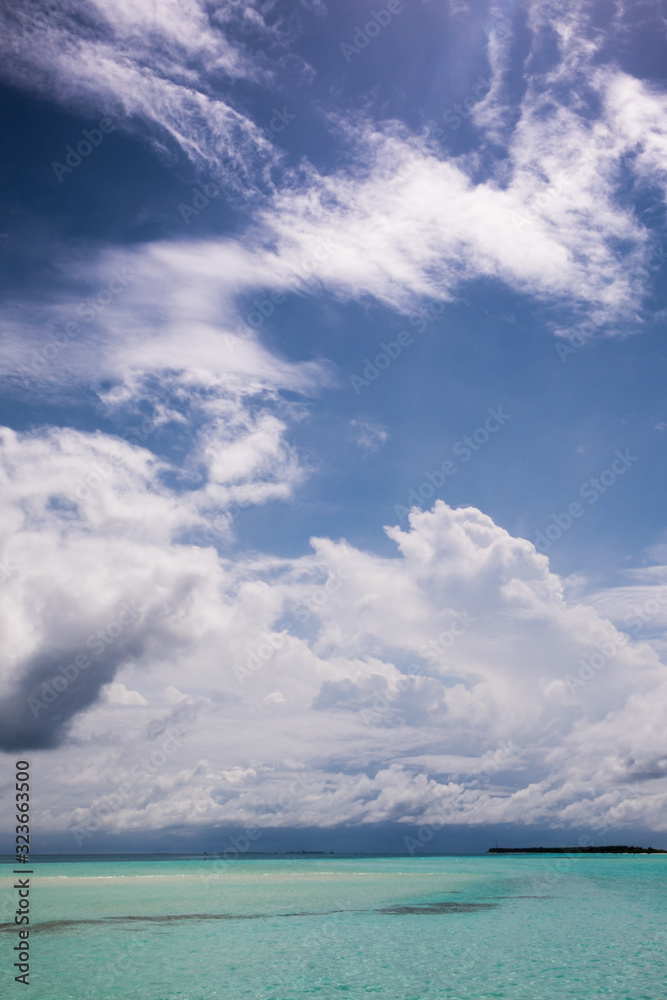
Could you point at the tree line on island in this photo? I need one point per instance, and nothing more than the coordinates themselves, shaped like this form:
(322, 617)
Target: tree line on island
(612, 849)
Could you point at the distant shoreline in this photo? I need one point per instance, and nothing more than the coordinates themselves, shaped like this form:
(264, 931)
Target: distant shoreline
(617, 849)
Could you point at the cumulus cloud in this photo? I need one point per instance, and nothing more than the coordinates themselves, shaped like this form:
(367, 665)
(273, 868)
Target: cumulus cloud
(443, 685)
(118, 694)
(87, 524)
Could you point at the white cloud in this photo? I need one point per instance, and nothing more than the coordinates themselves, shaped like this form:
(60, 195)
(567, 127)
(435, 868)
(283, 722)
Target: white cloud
(169, 308)
(163, 65)
(88, 522)
(118, 694)
(639, 605)
(548, 218)
(369, 437)
(446, 667)
(410, 224)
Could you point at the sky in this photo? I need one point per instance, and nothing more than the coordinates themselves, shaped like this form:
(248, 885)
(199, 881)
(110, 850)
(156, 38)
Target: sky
(333, 423)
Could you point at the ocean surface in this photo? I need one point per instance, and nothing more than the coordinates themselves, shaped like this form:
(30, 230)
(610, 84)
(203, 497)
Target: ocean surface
(540, 927)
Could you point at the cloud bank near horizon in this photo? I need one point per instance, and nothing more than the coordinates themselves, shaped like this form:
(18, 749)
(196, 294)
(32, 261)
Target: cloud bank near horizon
(455, 682)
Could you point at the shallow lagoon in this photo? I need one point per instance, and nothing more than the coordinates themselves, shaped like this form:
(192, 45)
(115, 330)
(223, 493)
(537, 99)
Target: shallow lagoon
(542, 927)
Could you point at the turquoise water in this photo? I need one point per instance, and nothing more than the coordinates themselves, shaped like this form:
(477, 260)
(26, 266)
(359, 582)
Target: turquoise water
(539, 927)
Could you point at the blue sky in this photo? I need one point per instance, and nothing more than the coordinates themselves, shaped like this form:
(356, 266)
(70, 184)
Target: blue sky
(327, 327)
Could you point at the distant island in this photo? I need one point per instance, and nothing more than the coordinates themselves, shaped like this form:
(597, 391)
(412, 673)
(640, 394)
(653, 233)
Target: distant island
(615, 849)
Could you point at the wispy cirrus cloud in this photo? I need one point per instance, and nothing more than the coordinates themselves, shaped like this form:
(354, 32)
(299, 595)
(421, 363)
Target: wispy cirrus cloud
(164, 68)
(550, 220)
(369, 437)
(539, 206)
(181, 310)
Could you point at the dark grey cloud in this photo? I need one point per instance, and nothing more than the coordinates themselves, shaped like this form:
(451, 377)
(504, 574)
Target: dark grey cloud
(650, 769)
(372, 838)
(54, 687)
